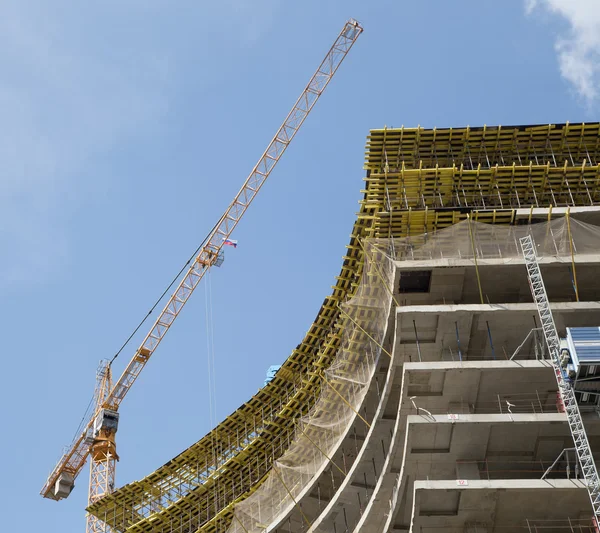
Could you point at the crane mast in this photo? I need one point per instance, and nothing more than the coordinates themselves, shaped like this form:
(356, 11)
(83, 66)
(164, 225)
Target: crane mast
(103, 454)
(98, 436)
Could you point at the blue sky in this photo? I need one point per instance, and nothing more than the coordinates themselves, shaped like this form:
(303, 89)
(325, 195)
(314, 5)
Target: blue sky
(128, 127)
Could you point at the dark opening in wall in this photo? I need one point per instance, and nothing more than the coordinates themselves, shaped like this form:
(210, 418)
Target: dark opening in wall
(415, 281)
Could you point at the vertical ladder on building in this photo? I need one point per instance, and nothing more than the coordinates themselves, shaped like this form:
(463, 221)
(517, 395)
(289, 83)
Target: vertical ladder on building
(582, 445)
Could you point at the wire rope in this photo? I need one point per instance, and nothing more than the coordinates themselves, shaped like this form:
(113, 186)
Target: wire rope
(212, 342)
(208, 351)
(84, 419)
(173, 281)
(210, 358)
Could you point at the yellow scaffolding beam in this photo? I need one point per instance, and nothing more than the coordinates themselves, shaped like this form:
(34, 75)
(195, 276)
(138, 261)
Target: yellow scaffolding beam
(418, 180)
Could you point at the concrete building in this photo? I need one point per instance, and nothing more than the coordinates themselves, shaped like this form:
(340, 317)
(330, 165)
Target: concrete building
(423, 397)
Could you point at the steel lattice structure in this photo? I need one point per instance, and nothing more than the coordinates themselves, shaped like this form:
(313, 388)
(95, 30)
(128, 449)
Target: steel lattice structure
(576, 425)
(418, 180)
(103, 451)
(103, 456)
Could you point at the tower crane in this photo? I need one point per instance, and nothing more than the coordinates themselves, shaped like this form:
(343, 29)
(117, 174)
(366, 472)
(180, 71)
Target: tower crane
(97, 440)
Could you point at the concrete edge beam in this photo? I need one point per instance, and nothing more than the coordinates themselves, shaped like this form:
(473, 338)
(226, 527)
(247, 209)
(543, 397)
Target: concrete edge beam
(495, 308)
(446, 262)
(477, 365)
(500, 484)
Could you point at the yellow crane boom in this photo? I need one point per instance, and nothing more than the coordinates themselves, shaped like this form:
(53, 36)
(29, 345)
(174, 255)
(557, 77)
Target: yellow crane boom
(98, 434)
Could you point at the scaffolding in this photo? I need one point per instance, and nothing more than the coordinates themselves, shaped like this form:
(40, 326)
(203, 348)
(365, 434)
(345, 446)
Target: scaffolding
(504, 174)
(482, 147)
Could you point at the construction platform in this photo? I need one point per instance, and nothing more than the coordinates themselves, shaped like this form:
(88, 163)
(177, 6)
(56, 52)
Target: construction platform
(367, 425)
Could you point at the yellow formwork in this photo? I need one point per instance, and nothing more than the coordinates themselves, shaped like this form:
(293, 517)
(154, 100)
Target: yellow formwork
(555, 143)
(418, 180)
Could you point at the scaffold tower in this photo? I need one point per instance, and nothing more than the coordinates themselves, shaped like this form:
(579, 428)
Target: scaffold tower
(567, 393)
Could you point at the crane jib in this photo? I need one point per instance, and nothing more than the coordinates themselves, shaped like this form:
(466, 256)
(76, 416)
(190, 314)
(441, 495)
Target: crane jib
(61, 480)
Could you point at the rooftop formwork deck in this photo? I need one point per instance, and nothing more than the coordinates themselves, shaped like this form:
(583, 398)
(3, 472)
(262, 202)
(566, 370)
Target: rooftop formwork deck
(418, 181)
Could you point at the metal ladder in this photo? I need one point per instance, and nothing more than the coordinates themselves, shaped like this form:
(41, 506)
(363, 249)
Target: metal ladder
(582, 445)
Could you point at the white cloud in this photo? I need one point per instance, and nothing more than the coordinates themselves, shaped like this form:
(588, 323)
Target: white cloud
(530, 6)
(579, 49)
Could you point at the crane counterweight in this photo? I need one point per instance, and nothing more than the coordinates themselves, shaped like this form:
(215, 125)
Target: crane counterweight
(64, 485)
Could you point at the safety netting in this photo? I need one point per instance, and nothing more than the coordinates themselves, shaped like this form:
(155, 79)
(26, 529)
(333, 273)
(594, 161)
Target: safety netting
(343, 387)
(365, 317)
(469, 239)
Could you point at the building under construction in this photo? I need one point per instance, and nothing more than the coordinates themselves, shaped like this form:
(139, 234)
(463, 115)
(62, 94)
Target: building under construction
(451, 380)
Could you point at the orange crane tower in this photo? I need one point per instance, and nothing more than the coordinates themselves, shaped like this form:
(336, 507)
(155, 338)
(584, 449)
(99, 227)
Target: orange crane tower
(97, 439)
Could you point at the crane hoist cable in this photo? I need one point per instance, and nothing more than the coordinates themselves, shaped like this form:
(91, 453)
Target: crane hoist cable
(210, 353)
(208, 359)
(212, 378)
